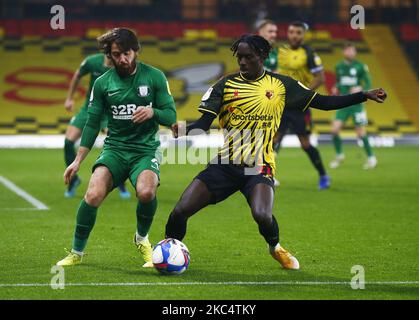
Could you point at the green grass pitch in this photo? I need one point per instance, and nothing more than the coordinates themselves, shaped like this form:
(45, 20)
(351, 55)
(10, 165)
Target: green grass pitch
(368, 218)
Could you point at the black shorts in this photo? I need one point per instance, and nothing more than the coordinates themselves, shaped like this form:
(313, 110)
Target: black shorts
(296, 121)
(222, 180)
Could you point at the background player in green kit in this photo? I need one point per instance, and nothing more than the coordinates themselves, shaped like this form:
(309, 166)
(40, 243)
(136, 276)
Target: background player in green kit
(95, 65)
(136, 99)
(351, 76)
(268, 30)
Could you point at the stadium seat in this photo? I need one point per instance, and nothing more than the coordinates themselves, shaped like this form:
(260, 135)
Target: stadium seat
(322, 35)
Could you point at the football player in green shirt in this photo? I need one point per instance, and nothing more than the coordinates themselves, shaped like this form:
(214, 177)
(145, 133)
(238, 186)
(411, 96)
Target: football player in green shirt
(351, 76)
(136, 99)
(94, 65)
(268, 30)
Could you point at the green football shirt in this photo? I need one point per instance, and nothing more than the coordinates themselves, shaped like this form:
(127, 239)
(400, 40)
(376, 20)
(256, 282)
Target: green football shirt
(118, 98)
(95, 66)
(271, 63)
(350, 75)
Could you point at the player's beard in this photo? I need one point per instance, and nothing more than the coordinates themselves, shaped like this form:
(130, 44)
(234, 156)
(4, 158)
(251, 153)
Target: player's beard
(125, 71)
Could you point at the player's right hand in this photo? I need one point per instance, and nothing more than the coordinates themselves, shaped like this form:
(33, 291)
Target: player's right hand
(69, 105)
(378, 95)
(175, 130)
(178, 129)
(71, 170)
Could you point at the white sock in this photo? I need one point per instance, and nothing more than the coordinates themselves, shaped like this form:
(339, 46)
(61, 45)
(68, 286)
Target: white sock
(271, 248)
(77, 252)
(139, 238)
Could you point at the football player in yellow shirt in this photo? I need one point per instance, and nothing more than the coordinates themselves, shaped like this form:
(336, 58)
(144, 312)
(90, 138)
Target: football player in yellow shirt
(300, 62)
(249, 105)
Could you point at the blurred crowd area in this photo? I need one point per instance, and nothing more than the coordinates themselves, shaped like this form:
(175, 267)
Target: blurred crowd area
(377, 11)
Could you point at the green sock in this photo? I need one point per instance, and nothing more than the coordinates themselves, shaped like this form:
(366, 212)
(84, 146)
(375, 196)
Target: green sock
(367, 146)
(69, 156)
(337, 142)
(69, 152)
(145, 215)
(86, 217)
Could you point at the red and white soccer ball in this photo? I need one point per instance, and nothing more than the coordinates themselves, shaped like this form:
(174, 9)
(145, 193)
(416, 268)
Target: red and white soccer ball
(171, 256)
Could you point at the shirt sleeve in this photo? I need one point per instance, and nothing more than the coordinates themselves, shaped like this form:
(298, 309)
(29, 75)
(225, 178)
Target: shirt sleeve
(164, 109)
(84, 67)
(212, 100)
(314, 62)
(97, 99)
(95, 111)
(162, 89)
(297, 96)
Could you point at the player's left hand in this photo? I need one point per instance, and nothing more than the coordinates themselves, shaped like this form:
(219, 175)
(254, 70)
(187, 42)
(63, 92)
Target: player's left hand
(378, 95)
(142, 114)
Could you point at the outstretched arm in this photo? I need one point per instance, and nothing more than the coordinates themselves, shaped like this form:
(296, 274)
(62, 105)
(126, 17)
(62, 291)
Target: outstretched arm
(338, 102)
(69, 101)
(203, 123)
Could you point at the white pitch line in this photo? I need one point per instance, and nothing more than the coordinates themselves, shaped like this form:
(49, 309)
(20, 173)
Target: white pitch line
(23, 194)
(232, 283)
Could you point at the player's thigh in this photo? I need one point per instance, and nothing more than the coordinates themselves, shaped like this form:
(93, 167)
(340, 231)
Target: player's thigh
(100, 185)
(116, 163)
(222, 180)
(195, 197)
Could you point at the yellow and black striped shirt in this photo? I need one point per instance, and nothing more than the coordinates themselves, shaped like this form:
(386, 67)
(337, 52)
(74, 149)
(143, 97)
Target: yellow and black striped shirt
(299, 64)
(250, 113)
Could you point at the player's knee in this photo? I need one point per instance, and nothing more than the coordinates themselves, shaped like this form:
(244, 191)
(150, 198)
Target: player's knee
(305, 143)
(262, 217)
(146, 195)
(94, 197)
(306, 147)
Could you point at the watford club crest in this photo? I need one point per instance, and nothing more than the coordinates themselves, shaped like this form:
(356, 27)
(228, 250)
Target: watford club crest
(269, 94)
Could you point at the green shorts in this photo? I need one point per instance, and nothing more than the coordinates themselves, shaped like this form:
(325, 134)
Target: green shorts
(356, 112)
(127, 164)
(80, 119)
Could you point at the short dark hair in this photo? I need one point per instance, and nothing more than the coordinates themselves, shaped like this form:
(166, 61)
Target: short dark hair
(261, 24)
(299, 24)
(349, 44)
(125, 39)
(259, 45)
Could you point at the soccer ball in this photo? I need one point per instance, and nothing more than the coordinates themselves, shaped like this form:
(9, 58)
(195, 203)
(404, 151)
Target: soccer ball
(170, 256)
